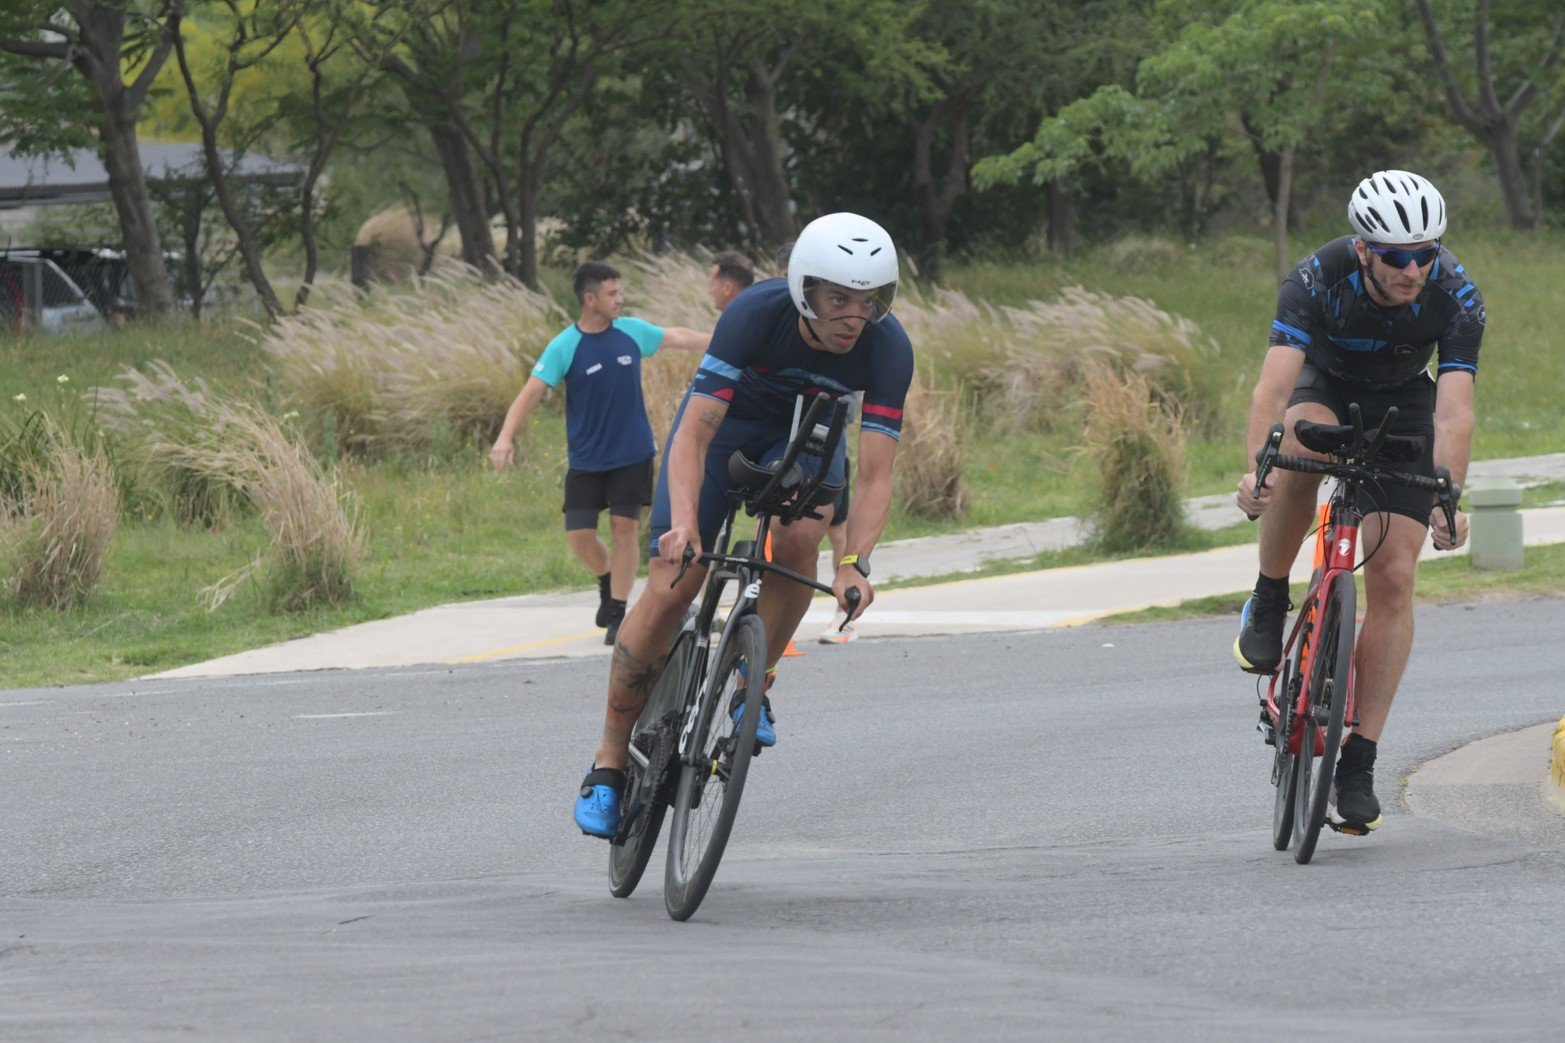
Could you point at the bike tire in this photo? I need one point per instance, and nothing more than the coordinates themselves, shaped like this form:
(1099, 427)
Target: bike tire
(628, 858)
(1282, 759)
(1330, 678)
(709, 790)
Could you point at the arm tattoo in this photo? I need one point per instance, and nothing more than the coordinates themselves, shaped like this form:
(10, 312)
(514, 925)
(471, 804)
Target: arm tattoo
(712, 418)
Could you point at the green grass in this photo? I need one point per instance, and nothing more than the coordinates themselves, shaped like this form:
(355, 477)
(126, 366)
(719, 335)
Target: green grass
(448, 530)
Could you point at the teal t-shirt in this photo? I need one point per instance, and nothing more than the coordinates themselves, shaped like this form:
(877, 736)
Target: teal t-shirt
(606, 424)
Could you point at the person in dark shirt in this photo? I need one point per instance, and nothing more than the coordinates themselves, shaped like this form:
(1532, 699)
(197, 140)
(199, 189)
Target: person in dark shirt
(1360, 320)
(730, 275)
(827, 328)
(607, 434)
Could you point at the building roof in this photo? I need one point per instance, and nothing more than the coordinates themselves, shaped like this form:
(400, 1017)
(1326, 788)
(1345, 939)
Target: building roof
(79, 176)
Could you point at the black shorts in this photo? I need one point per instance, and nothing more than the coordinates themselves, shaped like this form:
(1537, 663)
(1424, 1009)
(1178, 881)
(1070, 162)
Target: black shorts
(1415, 403)
(839, 509)
(623, 492)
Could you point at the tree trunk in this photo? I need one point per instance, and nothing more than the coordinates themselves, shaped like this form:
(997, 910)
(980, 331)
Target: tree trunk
(935, 204)
(1280, 213)
(133, 206)
(97, 57)
(467, 196)
(1061, 235)
(1504, 150)
(752, 151)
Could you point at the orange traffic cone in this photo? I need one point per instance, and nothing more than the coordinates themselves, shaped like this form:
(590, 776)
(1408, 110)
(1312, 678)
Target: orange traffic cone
(790, 650)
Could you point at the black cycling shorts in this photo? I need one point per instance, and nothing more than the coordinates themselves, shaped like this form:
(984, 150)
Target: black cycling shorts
(623, 492)
(839, 509)
(1415, 403)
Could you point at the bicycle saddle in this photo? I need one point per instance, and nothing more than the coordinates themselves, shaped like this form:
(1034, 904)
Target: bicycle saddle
(1337, 440)
(750, 476)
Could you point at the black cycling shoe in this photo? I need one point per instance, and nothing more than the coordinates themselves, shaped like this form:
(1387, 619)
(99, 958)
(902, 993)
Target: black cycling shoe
(1258, 648)
(1357, 804)
(616, 617)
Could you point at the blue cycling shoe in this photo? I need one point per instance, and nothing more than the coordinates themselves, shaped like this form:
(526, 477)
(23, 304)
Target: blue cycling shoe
(597, 803)
(766, 729)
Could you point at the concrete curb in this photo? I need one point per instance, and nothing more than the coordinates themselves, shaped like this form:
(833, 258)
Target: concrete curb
(1556, 783)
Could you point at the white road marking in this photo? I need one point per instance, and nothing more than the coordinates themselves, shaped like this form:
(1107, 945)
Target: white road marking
(333, 716)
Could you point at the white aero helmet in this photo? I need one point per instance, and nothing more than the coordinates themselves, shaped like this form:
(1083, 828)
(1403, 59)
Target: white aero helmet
(848, 250)
(1396, 207)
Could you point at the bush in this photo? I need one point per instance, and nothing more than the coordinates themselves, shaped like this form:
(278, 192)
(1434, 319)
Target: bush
(1135, 446)
(59, 510)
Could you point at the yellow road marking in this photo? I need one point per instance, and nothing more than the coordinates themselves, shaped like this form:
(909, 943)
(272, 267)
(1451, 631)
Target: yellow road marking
(500, 653)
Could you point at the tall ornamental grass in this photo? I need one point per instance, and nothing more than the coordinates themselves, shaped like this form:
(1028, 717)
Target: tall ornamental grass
(59, 510)
(1135, 449)
(1026, 364)
(315, 546)
(148, 411)
(403, 371)
(932, 454)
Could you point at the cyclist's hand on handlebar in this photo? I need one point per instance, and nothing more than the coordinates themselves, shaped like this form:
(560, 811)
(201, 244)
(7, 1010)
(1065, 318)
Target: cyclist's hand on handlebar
(672, 544)
(850, 579)
(1440, 535)
(1253, 506)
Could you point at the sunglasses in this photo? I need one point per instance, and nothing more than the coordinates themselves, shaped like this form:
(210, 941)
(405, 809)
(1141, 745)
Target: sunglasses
(1399, 258)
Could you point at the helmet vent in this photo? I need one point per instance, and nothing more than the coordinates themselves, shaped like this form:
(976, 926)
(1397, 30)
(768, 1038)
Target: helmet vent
(845, 250)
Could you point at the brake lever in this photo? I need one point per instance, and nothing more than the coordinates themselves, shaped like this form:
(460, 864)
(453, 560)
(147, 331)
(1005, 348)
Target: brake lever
(852, 597)
(1450, 495)
(1264, 458)
(684, 565)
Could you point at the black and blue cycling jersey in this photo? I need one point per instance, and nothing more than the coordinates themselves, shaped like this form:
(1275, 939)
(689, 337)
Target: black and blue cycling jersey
(1325, 310)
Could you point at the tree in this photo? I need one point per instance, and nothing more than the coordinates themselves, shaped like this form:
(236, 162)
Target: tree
(1521, 60)
(102, 42)
(1266, 67)
(323, 39)
(510, 74)
(756, 76)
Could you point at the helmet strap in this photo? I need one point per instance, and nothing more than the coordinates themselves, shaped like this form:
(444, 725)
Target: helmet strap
(811, 327)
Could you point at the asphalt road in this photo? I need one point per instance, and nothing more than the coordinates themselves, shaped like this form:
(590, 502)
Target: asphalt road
(1063, 833)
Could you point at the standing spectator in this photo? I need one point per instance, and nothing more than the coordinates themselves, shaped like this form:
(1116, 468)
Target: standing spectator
(607, 433)
(731, 273)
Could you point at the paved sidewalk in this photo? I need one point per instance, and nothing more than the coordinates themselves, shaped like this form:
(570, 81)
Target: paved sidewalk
(551, 625)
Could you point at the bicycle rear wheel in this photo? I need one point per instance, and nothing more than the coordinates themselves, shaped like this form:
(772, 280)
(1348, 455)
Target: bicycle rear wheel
(1321, 726)
(710, 788)
(647, 792)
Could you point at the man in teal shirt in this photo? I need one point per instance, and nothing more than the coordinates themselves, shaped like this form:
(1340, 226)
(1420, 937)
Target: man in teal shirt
(607, 433)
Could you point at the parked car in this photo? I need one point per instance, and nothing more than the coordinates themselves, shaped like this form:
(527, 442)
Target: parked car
(36, 294)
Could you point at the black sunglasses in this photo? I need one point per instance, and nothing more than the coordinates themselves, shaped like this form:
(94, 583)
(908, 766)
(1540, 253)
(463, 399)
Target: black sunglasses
(1399, 258)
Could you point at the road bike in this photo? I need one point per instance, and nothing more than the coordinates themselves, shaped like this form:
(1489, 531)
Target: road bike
(686, 750)
(1309, 701)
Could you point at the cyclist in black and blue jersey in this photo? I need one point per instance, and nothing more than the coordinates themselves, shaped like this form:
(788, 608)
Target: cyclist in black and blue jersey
(1360, 320)
(827, 328)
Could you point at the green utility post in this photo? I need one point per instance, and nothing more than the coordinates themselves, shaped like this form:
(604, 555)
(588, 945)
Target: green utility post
(1496, 523)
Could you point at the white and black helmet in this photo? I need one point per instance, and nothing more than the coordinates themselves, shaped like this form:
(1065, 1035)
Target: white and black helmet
(1396, 207)
(848, 250)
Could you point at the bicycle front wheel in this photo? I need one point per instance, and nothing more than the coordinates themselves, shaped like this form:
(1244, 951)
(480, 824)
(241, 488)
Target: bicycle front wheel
(710, 788)
(1283, 770)
(1321, 727)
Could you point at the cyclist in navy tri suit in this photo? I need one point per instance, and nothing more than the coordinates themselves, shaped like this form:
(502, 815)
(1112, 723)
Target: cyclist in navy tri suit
(826, 328)
(1360, 320)
(607, 434)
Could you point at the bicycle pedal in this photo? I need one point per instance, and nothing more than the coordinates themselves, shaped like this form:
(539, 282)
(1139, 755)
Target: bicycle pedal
(1352, 829)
